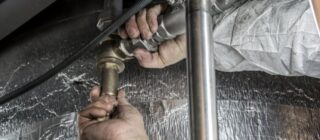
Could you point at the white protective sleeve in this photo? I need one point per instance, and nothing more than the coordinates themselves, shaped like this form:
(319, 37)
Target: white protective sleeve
(275, 36)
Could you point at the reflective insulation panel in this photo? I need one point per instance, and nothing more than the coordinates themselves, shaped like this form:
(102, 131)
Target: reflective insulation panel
(251, 105)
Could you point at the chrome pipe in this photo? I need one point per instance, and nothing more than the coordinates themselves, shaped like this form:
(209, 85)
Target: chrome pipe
(201, 72)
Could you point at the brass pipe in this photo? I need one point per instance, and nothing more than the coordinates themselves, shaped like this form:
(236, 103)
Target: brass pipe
(110, 80)
(110, 61)
(110, 70)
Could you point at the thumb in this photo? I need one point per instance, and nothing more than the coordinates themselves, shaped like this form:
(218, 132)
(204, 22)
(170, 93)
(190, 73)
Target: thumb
(126, 110)
(95, 93)
(170, 52)
(122, 100)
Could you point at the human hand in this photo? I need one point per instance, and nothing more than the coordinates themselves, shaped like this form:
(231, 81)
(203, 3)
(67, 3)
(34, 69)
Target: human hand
(126, 123)
(145, 24)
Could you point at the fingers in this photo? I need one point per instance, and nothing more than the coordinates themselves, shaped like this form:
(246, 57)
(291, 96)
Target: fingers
(93, 113)
(152, 17)
(170, 52)
(145, 23)
(100, 108)
(127, 111)
(173, 51)
(147, 59)
(106, 103)
(122, 98)
(123, 33)
(132, 28)
(95, 93)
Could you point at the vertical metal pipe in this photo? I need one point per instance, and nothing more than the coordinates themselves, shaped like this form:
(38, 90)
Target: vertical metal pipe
(201, 72)
(110, 81)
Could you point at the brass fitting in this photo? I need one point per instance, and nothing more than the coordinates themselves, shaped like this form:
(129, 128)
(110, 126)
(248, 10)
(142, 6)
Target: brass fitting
(110, 61)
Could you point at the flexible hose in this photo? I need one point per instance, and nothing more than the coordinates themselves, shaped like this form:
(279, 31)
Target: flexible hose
(109, 30)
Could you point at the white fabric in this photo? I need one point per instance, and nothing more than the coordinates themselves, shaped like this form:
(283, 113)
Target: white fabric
(276, 36)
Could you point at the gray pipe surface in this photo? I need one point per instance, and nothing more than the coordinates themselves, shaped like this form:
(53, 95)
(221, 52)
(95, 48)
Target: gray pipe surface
(201, 72)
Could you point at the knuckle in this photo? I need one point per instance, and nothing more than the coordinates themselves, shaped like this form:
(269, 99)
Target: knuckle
(98, 103)
(151, 14)
(153, 9)
(141, 13)
(141, 17)
(133, 32)
(146, 34)
(141, 21)
(100, 111)
(109, 107)
(131, 27)
(153, 24)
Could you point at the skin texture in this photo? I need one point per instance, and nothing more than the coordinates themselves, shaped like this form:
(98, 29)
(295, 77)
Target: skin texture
(144, 25)
(125, 122)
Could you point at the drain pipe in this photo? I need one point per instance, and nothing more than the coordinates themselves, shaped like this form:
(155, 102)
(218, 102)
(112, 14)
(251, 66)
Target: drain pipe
(201, 71)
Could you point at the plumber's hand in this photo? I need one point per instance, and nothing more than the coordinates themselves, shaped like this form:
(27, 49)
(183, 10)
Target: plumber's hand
(145, 24)
(125, 124)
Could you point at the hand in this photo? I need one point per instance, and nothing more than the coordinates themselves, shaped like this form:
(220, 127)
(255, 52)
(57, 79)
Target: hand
(125, 124)
(145, 24)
